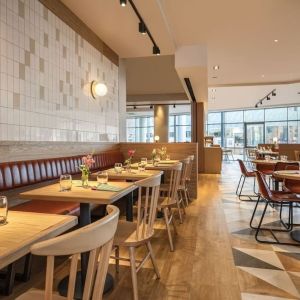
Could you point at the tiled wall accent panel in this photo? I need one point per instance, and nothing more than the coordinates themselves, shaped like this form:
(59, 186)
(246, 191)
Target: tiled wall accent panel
(45, 69)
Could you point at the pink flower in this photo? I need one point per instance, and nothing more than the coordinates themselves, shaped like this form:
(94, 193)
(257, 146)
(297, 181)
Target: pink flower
(88, 161)
(131, 153)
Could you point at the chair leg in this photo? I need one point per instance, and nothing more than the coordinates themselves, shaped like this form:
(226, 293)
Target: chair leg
(174, 225)
(149, 247)
(186, 196)
(179, 210)
(237, 189)
(9, 280)
(166, 216)
(117, 255)
(133, 272)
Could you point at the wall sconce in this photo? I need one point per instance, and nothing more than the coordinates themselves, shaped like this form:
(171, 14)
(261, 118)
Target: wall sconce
(98, 89)
(156, 139)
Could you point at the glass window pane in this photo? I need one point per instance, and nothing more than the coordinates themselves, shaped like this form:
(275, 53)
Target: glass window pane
(183, 120)
(234, 135)
(294, 113)
(276, 129)
(183, 133)
(276, 114)
(234, 116)
(214, 117)
(294, 132)
(130, 122)
(254, 115)
(215, 130)
(130, 134)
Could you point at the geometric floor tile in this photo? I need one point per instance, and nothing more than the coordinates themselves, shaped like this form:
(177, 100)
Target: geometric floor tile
(266, 256)
(243, 259)
(290, 261)
(286, 248)
(279, 279)
(248, 296)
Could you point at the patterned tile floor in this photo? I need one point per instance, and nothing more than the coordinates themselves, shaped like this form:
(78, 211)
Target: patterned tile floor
(265, 271)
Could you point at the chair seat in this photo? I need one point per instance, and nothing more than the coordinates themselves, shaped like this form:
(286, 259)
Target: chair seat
(50, 207)
(126, 235)
(165, 202)
(284, 197)
(38, 295)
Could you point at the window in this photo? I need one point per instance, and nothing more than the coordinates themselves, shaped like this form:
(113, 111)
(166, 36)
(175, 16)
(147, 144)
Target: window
(180, 123)
(140, 129)
(262, 126)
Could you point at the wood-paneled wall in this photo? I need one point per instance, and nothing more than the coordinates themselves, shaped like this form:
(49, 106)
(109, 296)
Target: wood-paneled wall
(67, 16)
(175, 150)
(15, 151)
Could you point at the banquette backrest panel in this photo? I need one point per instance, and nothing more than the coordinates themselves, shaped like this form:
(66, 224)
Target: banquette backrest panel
(22, 173)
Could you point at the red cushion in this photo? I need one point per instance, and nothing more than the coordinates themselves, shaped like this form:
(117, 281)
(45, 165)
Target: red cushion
(49, 207)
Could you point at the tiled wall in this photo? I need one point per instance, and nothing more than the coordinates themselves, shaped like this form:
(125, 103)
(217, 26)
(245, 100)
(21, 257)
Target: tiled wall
(45, 69)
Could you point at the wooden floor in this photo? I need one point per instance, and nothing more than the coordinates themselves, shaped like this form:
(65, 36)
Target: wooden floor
(208, 262)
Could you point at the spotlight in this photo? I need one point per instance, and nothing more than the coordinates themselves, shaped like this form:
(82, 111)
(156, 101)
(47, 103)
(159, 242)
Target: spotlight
(216, 67)
(123, 2)
(260, 102)
(273, 93)
(268, 98)
(256, 105)
(151, 106)
(142, 28)
(156, 50)
(134, 107)
(174, 106)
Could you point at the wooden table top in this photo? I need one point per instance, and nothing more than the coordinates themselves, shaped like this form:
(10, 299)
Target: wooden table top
(288, 174)
(80, 194)
(267, 152)
(163, 165)
(271, 161)
(23, 229)
(134, 175)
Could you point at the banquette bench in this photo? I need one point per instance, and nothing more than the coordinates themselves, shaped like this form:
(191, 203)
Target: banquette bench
(26, 174)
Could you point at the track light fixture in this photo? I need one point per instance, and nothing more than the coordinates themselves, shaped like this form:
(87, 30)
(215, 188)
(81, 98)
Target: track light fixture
(174, 106)
(134, 107)
(123, 2)
(142, 28)
(267, 97)
(156, 50)
(151, 106)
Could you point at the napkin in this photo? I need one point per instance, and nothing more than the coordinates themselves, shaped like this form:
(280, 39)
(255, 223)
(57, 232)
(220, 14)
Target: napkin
(107, 187)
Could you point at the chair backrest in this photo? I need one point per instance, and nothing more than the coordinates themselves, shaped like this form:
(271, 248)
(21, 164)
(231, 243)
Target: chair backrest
(148, 192)
(297, 155)
(243, 168)
(175, 176)
(263, 186)
(97, 239)
(190, 167)
(185, 169)
(280, 166)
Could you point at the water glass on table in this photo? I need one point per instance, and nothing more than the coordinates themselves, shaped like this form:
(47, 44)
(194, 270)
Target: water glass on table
(283, 157)
(102, 177)
(118, 168)
(65, 182)
(168, 157)
(267, 157)
(3, 210)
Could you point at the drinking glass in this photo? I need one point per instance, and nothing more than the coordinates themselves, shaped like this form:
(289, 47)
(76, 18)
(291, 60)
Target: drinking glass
(168, 157)
(141, 167)
(118, 168)
(65, 182)
(3, 210)
(283, 157)
(144, 161)
(102, 177)
(267, 157)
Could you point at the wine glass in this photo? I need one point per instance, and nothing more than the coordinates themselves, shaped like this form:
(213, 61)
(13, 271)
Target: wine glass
(118, 168)
(65, 182)
(102, 177)
(3, 210)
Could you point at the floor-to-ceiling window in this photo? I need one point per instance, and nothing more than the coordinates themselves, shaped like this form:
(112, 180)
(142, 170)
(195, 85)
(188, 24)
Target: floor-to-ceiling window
(179, 123)
(247, 128)
(140, 127)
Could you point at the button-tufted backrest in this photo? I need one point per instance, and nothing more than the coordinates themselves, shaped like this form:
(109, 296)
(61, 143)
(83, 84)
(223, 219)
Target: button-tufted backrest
(22, 173)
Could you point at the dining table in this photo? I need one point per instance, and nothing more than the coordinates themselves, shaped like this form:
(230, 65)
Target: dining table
(22, 230)
(271, 162)
(162, 165)
(292, 175)
(86, 196)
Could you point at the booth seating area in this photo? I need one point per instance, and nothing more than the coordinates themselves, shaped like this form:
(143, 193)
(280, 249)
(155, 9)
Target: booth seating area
(22, 174)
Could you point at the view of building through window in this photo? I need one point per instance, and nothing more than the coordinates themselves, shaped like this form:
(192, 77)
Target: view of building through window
(248, 128)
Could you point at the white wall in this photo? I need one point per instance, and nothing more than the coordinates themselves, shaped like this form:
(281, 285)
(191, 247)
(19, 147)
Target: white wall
(228, 98)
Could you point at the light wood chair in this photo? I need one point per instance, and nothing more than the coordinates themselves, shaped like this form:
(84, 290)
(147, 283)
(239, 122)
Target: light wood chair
(182, 188)
(135, 234)
(97, 239)
(297, 155)
(171, 199)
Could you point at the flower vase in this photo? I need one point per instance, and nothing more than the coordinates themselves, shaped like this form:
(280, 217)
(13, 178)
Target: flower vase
(85, 180)
(128, 167)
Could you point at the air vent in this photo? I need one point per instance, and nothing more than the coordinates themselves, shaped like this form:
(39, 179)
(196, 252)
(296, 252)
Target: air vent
(190, 88)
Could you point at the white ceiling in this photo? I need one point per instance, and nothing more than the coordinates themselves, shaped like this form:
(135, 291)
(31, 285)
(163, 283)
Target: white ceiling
(239, 34)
